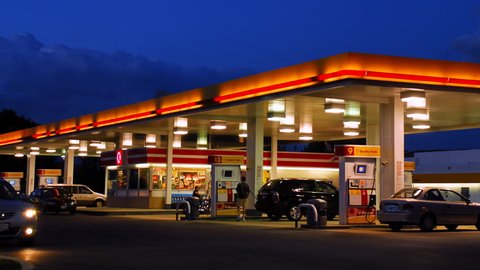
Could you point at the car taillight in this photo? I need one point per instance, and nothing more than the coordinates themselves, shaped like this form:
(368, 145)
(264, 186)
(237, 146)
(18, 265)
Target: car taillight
(407, 207)
(275, 197)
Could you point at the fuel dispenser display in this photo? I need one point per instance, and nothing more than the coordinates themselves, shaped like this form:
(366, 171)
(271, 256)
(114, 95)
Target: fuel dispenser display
(14, 178)
(357, 169)
(48, 176)
(226, 175)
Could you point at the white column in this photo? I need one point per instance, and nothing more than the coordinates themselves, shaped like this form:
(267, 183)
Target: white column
(169, 172)
(373, 138)
(274, 154)
(254, 156)
(392, 147)
(30, 177)
(68, 166)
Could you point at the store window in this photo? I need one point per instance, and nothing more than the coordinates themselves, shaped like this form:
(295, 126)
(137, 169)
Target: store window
(159, 178)
(117, 181)
(138, 179)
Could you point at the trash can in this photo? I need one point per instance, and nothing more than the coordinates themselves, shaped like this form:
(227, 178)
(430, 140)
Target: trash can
(194, 205)
(321, 207)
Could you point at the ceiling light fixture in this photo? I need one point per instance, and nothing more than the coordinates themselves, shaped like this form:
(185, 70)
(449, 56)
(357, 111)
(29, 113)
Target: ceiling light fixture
(334, 108)
(305, 137)
(351, 132)
(286, 128)
(218, 124)
(417, 114)
(412, 96)
(420, 124)
(242, 130)
(202, 146)
(275, 116)
(180, 130)
(351, 123)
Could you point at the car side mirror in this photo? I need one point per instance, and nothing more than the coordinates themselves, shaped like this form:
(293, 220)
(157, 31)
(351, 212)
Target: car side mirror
(468, 201)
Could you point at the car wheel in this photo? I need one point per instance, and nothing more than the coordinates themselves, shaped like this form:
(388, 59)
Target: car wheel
(274, 216)
(427, 224)
(294, 213)
(99, 203)
(451, 227)
(395, 227)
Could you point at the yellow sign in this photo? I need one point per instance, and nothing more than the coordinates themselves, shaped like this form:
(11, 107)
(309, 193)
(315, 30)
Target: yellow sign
(15, 175)
(357, 150)
(409, 166)
(226, 160)
(49, 172)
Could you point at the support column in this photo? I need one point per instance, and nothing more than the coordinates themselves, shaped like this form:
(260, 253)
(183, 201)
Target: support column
(30, 177)
(373, 138)
(392, 147)
(274, 154)
(68, 166)
(254, 154)
(169, 168)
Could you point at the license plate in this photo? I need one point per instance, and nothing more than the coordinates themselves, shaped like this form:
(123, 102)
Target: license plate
(63, 207)
(4, 227)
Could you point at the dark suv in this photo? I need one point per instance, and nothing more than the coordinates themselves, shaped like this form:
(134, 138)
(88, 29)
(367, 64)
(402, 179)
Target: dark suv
(53, 199)
(282, 197)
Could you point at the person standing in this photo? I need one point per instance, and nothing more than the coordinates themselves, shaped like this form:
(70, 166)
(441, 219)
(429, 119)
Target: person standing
(243, 190)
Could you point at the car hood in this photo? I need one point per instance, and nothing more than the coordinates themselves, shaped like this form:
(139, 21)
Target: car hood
(13, 205)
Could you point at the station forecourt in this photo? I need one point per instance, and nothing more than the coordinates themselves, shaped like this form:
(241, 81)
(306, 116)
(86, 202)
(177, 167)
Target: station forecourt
(155, 151)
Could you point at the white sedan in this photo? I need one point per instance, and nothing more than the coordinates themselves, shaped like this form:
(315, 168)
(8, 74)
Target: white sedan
(428, 207)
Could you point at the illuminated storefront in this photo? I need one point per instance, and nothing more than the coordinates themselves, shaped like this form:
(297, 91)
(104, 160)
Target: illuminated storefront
(138, 177)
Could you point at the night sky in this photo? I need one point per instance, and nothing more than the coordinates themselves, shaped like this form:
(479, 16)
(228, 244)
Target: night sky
(69, 58)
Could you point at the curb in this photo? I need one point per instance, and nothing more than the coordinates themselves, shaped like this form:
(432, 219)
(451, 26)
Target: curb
(25, 265)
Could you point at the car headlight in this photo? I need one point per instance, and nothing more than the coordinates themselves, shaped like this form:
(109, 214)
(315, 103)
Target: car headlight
(30, 213)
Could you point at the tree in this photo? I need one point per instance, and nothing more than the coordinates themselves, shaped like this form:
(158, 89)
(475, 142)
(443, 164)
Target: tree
(11, 121)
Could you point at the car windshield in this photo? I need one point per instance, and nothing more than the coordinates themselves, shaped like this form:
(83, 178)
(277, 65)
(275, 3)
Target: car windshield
(408, 193)
(6, 191)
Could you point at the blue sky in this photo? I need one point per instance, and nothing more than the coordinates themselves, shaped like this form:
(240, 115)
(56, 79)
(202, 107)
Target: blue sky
(69, 58)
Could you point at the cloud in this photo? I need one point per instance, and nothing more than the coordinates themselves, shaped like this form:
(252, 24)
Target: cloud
(50, 83)
(468, 46)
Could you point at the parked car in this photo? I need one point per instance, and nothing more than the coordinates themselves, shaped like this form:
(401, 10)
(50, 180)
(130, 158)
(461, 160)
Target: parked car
(18, 218)
(83, 194)
(282, 196)
(53, 199)
(428, 207)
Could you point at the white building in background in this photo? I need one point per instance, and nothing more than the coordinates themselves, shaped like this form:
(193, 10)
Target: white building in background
(459, 170)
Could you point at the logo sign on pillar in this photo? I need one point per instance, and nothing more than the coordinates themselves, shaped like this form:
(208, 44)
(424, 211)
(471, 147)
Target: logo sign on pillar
(369, 151)
(232, 160)
(119, 159)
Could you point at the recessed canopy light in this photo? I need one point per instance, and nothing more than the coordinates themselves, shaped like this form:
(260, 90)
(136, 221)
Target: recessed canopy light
(334, 108)
(286, 128)
(305, 137)
(351, 132)
(412, 96)
(420, 125)
(275, 116)
(218, 124)
(180, 130)
(417, 114)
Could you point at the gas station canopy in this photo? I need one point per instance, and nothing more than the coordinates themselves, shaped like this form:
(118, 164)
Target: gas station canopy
(354, 84)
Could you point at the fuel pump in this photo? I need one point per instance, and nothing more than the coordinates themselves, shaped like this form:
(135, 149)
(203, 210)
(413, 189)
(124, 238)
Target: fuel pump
(48, 176)
(226, 175)
(14, 178)
(357, 190)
